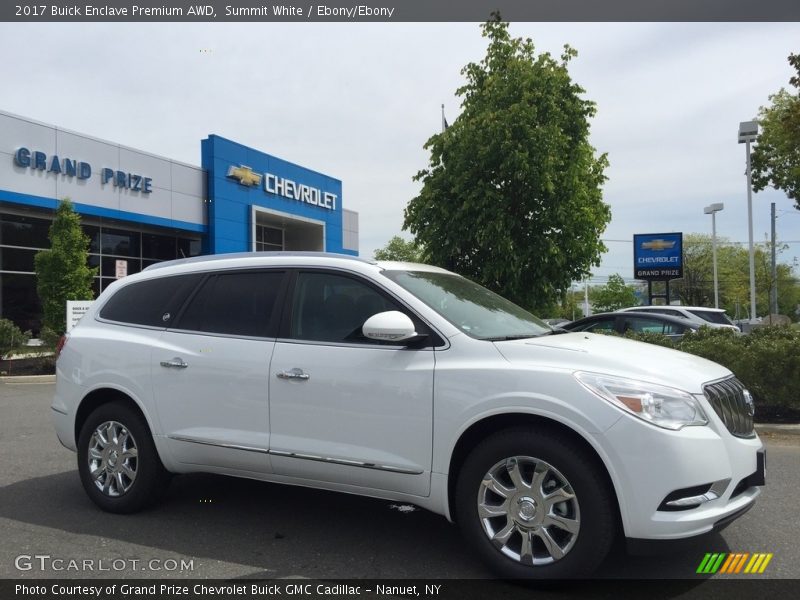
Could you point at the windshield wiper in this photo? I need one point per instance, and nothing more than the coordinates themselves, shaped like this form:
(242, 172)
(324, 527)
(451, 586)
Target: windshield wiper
(505, 338)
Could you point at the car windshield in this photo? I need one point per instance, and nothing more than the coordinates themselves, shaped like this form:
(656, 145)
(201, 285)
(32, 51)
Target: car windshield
(472, 308)
(712, 316)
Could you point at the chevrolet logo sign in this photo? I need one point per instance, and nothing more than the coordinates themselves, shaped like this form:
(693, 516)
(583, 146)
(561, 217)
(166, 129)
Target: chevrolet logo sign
(658, 245)
(244, 175)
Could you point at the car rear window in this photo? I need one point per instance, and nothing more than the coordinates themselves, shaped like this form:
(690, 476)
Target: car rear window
(153, 302)
(712, 316)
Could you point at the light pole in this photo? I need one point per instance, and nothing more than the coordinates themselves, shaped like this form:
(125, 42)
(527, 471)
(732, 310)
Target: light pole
(748, 132)
(713, 209)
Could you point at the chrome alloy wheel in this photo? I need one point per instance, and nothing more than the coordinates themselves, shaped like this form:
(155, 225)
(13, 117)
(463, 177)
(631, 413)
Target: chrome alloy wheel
(528, 510)
(113, 458)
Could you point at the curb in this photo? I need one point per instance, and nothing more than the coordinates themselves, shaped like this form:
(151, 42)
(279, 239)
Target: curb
(28, 379)
(778, 429)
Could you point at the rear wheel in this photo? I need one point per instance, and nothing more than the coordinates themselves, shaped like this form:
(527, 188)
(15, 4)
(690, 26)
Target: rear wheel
(535, 506)
(118, 464)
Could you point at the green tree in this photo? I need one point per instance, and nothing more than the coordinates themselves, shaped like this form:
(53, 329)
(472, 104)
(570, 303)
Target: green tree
(62, 271)
(399, 249)
(697, 286)
(733, 267)
(613, 295)
(776, 157)
(512, 194)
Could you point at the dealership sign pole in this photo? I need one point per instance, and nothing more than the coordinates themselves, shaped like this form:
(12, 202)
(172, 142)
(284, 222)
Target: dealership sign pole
(657, 257)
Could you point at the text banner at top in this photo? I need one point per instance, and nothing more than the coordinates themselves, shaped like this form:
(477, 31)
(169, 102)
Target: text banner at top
(404, 11)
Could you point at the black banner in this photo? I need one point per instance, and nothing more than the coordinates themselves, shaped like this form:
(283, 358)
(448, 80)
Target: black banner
(402, 11)
(754, 586)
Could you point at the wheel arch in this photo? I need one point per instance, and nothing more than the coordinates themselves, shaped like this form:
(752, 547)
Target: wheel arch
(489, 425)
(105, 395)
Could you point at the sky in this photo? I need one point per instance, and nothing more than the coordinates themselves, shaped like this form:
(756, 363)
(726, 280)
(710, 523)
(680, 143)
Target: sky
(358, 101)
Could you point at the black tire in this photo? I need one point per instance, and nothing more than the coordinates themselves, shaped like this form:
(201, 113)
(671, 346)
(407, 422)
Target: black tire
(592, 510)
(151, 478)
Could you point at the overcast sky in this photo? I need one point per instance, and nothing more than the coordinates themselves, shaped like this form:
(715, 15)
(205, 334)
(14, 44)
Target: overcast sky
(358, 101)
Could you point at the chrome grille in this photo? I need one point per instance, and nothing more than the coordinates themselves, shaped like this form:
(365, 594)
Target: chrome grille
(731, 404)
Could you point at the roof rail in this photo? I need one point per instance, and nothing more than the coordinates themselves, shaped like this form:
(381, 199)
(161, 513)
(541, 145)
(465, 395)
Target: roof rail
(234, 255)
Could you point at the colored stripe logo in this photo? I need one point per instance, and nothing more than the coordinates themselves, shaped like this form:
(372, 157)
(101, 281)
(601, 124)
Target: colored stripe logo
(735, 562)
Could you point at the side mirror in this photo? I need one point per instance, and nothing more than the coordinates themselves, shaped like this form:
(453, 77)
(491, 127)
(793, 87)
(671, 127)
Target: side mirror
(389, 326)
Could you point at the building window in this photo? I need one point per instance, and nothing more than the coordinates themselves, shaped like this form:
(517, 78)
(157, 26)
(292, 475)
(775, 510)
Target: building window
(22, 236)
(269, 238)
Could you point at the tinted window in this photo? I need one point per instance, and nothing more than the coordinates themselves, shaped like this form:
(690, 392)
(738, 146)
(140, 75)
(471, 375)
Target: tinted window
(652, 326)
(712, 316)
(606, 325)
(154, 302)
(120, 242)
(332, 308)
(24, 231)
(234, 304)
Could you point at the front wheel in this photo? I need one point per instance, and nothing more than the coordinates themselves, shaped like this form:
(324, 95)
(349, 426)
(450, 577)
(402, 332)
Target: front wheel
(535, 505)
(118, 464)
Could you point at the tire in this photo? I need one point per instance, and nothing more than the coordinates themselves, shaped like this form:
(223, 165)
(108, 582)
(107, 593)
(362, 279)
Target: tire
(542, 488)
(116, 445)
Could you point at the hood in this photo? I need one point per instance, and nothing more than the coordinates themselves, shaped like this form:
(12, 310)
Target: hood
(611, 355)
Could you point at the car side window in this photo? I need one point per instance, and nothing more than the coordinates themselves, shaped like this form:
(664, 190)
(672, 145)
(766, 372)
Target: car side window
(332, 308)
(234, 304)
(153, 302)
(673, 329)
(600, 326)
(644, 325)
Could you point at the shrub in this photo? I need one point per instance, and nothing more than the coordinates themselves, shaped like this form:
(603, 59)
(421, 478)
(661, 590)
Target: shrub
(11, 336)
(659, 339)
(767, 361)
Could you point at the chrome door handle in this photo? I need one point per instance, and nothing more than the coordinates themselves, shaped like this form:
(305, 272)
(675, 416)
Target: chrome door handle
(293, 374)
(175, 363)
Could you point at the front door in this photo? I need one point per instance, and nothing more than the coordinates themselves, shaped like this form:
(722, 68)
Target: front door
(345, 409)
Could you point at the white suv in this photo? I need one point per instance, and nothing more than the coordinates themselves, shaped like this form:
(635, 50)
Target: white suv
(405, 382)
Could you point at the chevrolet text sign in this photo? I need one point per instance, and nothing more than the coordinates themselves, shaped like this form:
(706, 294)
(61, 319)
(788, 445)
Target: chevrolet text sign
(658, 256)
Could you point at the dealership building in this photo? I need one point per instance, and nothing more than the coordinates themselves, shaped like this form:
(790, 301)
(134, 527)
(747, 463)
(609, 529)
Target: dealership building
(138, 208)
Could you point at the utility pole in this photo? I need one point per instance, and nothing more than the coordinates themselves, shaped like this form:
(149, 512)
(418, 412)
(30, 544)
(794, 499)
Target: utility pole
(748, 132)
(773, 290)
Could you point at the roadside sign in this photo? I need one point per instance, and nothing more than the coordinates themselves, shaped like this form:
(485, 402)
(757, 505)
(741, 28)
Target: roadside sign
(75, 310)
(658, 256)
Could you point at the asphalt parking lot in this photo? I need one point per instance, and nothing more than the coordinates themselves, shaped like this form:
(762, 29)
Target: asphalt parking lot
(216, 527)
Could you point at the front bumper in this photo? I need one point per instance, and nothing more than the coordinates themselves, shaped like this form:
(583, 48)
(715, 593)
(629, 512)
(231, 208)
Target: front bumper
(652, 463)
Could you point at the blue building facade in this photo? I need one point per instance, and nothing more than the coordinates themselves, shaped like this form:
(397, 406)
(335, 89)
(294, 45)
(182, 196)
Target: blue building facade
(138, 208)
(282, 203)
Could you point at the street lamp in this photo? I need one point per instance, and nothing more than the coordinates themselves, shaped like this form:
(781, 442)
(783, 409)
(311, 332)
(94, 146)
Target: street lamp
(713, 209)
(748, 132)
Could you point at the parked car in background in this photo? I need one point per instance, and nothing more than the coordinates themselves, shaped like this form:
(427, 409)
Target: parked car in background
(643, 322)
(713, 317)
(409, 383)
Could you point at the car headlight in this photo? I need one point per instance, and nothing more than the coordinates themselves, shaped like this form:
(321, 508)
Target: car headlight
(663, 406)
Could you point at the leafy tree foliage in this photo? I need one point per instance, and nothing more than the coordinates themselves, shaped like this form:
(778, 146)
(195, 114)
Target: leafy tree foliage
(613, 295)
(776, 157)
(62, 272)
(399, 249)
(733, 267)
(512, 194)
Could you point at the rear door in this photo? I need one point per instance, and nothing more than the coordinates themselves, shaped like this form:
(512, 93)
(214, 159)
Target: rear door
(211, 370)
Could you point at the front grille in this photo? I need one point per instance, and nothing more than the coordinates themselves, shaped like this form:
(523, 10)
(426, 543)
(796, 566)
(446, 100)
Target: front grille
(730, 403)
